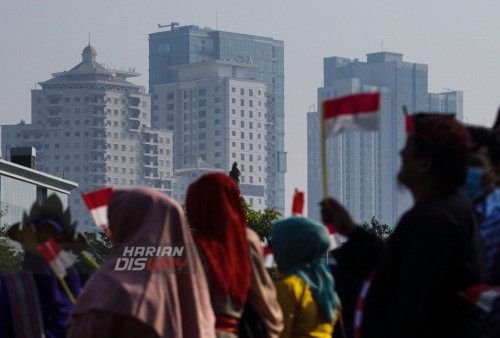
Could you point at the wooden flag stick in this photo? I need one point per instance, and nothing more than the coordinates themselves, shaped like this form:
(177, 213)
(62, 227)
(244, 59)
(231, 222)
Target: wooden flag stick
(323, 152)
(66, 289)
(91, 261)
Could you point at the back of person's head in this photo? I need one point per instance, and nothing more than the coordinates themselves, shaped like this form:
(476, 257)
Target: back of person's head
(215, 212)
(212, 198)
(297, 240)
(485, 137)
(140, 214)
(446, 142)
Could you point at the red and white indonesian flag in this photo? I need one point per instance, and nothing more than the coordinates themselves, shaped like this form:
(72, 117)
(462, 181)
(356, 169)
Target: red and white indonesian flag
(58, 259)
(334, 237)
(269, 261)
(482, 295)
(97, 203)
(298, 203)
(352, 112)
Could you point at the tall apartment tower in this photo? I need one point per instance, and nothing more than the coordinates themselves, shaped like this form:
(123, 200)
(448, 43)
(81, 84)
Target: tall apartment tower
(92, 126)
(218, 116)
(362, 166)
(194, 45)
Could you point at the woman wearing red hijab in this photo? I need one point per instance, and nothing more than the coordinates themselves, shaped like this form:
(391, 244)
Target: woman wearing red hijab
(215, 211)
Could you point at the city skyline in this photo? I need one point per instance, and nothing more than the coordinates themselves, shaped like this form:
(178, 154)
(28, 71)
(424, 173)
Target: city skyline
(362, 166)
(181, 54)
(454, 38)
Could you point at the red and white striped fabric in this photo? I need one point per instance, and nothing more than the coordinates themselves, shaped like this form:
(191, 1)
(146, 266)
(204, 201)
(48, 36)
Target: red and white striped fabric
(334, 237)
(97, 203)
(482, 295)
(298, 203)
(269, 261)
(58, 259)
(360, 306)
(352, 112)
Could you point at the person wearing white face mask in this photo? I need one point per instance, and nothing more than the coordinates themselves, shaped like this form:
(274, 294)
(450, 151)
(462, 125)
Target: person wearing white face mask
(482, 188)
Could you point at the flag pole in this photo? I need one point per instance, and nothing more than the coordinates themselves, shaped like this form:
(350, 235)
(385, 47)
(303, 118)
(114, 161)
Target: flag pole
(66, 289)
(323, 151)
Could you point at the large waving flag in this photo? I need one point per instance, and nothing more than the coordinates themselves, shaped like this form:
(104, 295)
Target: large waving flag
(97, 203)
(352, 112)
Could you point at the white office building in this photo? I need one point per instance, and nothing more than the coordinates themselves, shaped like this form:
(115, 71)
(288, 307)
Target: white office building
(362, 166)
(217, 113)
(92, 126)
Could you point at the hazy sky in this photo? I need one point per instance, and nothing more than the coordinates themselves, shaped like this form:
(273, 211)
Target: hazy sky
(458, 40)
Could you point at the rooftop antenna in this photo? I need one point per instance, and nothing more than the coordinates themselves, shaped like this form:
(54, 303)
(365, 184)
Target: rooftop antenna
(382, 45)
(89, 38)
(172, 25)
(216, 21)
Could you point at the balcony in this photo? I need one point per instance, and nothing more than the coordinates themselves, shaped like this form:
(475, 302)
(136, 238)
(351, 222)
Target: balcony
(134, 101)
(134, 113)
(150, 164)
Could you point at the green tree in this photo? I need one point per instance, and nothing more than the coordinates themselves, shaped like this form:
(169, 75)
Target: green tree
(260, 221)
(99, 246)
(11, 254)
(11, 257)
(382, 231)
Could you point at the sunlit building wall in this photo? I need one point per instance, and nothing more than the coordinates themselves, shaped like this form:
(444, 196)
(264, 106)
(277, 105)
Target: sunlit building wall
(362, 167)
(92, 126)
(192, 44)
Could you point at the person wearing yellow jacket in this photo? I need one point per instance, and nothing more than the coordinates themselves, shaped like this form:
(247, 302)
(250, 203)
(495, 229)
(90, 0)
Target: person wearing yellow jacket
(306, 293)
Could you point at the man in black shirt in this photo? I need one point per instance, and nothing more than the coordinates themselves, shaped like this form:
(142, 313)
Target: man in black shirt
(434, 252)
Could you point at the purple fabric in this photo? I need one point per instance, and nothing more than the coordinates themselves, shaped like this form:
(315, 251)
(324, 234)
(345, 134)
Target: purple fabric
(55, 305)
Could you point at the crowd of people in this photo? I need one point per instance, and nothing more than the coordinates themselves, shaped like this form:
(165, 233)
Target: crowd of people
(410, 285)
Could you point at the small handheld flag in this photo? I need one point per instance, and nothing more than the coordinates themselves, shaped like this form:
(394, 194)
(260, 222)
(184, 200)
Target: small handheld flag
(97, 203)
(298, 203)
(482, 295)
(269, 261)
(58, 260)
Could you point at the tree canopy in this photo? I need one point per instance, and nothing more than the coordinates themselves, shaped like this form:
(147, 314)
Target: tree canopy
(260, 221)
(382, 231)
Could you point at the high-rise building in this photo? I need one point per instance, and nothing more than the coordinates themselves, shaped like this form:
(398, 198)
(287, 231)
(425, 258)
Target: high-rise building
(362, 166)
(218, 116)
(92, 126)
(195, 45)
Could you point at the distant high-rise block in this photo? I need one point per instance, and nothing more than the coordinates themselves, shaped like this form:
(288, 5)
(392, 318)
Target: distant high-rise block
(218, 116)
(362, 166)
(92, 126)
(263, 62)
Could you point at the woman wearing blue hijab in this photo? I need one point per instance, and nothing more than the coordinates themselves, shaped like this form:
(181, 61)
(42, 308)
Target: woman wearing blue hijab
(306, 292)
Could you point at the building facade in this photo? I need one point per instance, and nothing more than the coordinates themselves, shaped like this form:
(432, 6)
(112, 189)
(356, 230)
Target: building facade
(195, 45)
(20, 187)
(362, 166)
(92, 126)
(217, 113)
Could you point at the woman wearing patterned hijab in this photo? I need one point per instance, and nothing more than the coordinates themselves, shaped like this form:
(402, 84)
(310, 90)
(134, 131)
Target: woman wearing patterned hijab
(145, 303)
(306, 293)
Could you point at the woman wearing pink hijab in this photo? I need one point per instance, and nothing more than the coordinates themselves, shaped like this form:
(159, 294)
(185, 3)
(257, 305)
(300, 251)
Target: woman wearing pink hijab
(145, 303)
